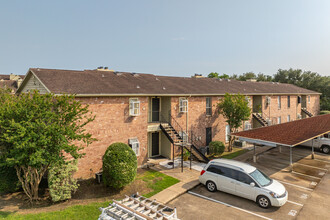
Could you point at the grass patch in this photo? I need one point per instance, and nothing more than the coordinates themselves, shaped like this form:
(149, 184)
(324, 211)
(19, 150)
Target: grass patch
(230, 155)
(156, 181)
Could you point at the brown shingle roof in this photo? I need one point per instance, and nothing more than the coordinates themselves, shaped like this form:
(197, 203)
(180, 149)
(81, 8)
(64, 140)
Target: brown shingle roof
(11, 84)
(109, 82)
(290, 133)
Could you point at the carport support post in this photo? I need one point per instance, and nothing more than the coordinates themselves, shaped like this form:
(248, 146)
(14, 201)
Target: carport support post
(312, 149)
(254, 154)
(291, 167)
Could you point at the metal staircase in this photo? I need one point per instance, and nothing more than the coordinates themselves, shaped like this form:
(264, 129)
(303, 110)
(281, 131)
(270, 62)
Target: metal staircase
(137, 207)
(304, 110)
(176, 136)
(260, 119)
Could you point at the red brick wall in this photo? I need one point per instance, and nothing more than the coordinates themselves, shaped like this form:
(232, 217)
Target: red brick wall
(112, 124)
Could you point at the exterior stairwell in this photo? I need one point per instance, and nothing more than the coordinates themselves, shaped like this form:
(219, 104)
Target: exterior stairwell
(304, 110)
(178, 140)
(260, 119)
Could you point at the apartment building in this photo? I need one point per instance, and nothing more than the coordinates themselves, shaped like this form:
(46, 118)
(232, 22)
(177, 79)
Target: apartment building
(157, 114)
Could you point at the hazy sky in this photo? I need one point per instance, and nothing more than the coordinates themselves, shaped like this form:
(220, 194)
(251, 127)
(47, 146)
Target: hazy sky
(169, 37)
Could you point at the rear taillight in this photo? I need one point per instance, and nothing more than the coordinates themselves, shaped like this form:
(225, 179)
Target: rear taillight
(202, 172)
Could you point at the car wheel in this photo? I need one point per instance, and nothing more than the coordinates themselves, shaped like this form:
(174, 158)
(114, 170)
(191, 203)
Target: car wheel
(263, 202)
(325, 149)
(211, 186)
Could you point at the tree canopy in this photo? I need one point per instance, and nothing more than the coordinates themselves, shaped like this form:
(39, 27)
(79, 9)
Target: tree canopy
(235, 109)
(305, 79)
(39, 130)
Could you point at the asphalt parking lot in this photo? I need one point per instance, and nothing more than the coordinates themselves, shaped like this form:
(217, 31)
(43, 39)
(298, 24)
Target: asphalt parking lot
(300, 184)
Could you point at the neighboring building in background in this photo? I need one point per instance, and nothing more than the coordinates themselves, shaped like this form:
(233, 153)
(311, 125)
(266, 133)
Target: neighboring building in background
(154, 113)
(11, 82)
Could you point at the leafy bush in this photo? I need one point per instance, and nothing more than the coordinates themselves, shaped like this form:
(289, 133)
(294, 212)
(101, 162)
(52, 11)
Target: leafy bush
(324, 112)
(216, 147)
(61, 182)
(8, 179)
(119, 165)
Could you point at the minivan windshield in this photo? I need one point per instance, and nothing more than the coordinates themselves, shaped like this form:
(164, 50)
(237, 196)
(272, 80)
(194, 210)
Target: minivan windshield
(261, 178)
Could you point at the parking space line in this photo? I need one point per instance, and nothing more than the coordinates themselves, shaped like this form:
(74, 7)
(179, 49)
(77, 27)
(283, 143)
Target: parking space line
(311, 166)
(226, 204)
(306, 175)
(296, 203)
(322, 160)
(291, 184)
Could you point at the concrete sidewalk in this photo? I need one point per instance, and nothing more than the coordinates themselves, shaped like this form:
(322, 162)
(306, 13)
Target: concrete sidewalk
(188, 180)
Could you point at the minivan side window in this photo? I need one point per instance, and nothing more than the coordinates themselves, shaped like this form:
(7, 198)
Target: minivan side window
(242, 177)
(230, 173)
(214, 169)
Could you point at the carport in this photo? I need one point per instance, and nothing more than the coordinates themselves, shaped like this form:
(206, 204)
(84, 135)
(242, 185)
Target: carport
(288, 134)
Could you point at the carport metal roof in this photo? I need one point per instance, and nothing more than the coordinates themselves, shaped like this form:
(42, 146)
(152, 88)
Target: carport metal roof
(287, 134)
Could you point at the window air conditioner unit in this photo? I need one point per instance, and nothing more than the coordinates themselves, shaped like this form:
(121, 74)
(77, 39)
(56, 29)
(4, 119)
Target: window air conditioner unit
(269, 122)
(299, 116)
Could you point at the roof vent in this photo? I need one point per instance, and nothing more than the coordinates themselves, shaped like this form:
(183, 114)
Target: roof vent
(277, 83)
(137, 86)
(118, 73)
(227, 80)
(134, 74)
(103, 76)
(157, 78)
(164, 88)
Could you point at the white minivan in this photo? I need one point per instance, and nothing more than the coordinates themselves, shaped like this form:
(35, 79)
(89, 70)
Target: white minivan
(243, 180)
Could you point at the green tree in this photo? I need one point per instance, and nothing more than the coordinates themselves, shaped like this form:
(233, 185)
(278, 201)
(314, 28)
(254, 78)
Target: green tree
(213, 75)
(264, 78)
(235, 109)
(247, 76)
(37, 131)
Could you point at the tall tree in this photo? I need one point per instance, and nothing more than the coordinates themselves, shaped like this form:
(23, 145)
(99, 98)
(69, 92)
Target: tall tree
(247, 76)
(235, 109)
(37, 131)
(213, 75)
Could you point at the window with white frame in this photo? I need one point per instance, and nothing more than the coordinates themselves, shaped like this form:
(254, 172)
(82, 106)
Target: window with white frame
(134, 107)
(248, 99)
(208, 106)
(279, 101)
(247, 125)
(289, 119)
(183, 105)
(135, 145)
(279, 120)
(289, 101)
(309, 99)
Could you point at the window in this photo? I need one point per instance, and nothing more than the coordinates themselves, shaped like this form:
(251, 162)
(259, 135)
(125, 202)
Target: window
(134, 107)
(248, 99)
(247, 125)
(279, 120)
(309, 99)
(261, 178)
(208, 106)
(242, 177)
(214, 169)
(183, 105)
(230, 173)
(227, 133)
(279, 102)
(289, 118)
(135, 145)
(289, 101)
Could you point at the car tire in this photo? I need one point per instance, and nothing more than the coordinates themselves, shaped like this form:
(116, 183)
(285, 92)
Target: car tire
(325, 149)
(263, 202)
(210, 186)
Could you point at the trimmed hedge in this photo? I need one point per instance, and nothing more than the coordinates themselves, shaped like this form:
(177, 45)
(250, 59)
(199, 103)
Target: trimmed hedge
(8, 179)
(216, 147)
(119, 165)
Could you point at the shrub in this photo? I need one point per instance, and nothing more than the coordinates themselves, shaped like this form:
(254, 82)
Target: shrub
(61, 182)
(216, 147)
(324, 112)
(8, 179)
(119, 165)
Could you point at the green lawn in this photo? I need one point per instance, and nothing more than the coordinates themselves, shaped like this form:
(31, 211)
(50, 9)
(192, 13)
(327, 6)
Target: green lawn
(230, 155)
(156, 181)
